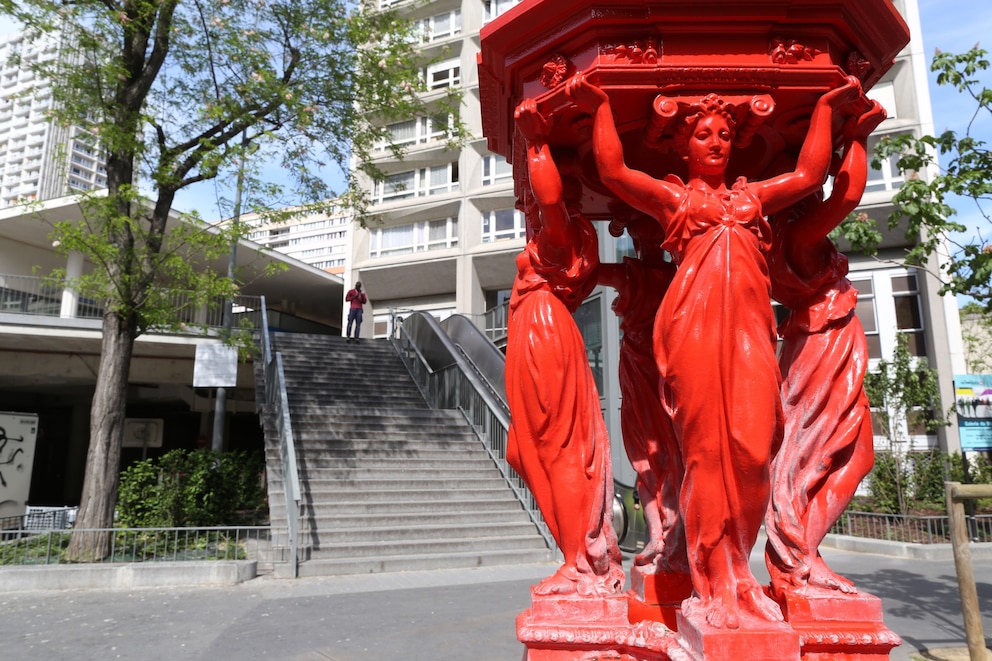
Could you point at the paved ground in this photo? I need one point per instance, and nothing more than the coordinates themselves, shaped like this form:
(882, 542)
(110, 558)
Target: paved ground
(457, 615)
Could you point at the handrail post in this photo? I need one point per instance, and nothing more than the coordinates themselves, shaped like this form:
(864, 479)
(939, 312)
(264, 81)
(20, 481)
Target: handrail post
(956, 495)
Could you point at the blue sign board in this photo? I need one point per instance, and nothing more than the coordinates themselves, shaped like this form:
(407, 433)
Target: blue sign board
(973, 399)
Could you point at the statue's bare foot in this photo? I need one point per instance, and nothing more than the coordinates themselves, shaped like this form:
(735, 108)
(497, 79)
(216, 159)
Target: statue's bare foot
(718, 613)
(823, 577)
(753, 601)
(789, 582)
(592, 585)
(649, 557)
(563, 581)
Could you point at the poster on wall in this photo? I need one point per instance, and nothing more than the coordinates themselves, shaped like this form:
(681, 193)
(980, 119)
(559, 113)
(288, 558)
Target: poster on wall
(973, 400)
(18, 432)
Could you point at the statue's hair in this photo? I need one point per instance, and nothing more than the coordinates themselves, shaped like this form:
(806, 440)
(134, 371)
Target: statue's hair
(711, 104)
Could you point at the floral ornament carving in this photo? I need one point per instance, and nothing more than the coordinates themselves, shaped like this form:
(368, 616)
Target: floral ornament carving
(556, 71)
(638, 52)
(792, 52)
(857, 65)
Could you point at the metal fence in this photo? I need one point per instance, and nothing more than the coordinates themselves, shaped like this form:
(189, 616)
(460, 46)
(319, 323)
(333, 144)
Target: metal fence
(49, 547)
(31, 295)
(909, 528)
(493, 322)
(23, 294)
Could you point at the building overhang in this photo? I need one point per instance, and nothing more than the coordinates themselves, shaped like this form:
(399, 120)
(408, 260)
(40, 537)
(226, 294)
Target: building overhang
(288, 284)
(412, 279)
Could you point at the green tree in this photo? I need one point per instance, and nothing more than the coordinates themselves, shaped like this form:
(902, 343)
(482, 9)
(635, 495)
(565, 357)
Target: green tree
(177, 92)
(940, 170)
(905, 394)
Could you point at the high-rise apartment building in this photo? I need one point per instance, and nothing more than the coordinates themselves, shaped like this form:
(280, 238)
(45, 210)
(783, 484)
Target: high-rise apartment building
(321, 240)
(39, 160)
(450, 232)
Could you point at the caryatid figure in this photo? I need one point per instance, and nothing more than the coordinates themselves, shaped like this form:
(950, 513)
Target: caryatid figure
(558, 441)
(828, 444)
(714, 337)
(648, 435)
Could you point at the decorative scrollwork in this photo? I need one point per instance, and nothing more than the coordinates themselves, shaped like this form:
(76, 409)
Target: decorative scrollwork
(792, 52)
(646, 51)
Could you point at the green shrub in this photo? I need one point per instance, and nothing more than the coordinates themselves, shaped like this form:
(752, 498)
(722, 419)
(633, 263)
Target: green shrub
(915, 481)
(886, 482)
(190, 488)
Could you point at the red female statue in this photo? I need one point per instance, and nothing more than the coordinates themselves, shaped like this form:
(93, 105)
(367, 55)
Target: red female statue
(557, 441)
(714, 336)
(828, 443)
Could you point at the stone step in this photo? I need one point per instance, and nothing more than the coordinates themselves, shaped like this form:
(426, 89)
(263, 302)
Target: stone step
(416, 500)
(389, 484)
(397, 508)
(332, 488)
(427, 533)
(375, 423)
(343, 467)
(427, 546)
(341, 456)
(400, 474)
(371, 401)
(480, 514)
(397, 563)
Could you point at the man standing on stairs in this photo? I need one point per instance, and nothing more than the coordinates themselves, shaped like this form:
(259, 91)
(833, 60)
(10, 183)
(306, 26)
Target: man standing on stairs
(357, 298)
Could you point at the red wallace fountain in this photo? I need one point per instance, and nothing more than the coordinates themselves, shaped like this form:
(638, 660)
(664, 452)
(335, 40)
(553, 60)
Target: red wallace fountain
(705, 130)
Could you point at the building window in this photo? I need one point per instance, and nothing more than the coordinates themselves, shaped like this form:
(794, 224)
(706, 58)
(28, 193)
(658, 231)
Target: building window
(503, 224)
(444, 74)
(418, 131)
(495, 169)
(435, 180)
(414, 237)
(887, 176)
(867, 315)
(441, 26)
(494, 8)
(443, 179)
(399, 186)
(909, 315)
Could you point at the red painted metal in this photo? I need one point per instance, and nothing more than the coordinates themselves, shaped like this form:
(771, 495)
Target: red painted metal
(704, 130)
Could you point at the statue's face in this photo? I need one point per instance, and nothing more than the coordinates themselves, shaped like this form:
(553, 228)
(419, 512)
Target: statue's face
(708, 147)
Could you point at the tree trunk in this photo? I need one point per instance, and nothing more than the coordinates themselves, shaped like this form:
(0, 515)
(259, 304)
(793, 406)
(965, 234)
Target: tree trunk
(107, 415)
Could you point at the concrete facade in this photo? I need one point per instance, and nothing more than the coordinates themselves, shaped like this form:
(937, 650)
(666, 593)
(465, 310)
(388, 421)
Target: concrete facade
(39, 160)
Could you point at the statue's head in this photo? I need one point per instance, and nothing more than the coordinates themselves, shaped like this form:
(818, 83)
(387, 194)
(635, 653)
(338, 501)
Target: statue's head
(709, 108)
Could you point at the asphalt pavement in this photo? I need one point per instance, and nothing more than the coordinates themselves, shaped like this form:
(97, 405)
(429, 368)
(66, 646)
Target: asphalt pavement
(463, 615)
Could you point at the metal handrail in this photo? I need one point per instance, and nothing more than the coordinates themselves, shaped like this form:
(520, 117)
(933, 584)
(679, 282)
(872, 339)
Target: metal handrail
(277, 405)
(448, 380)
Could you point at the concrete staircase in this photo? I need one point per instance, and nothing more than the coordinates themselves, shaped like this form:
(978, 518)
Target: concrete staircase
(387, 483)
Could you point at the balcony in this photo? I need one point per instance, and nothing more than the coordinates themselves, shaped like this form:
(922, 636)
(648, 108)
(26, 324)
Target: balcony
(22, 297)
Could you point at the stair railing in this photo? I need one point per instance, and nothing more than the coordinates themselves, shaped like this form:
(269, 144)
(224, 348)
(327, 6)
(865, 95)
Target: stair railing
(277, 405)
(449, 379)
